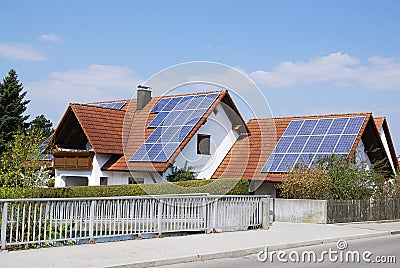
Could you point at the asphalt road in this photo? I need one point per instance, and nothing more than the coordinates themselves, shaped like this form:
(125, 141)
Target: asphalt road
(370, 252)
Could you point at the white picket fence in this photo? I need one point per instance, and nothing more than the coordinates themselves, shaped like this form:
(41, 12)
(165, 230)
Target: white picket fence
(79, 220)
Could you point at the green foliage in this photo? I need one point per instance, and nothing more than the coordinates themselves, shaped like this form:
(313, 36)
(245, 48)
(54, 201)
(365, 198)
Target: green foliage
(12, 107)
(307, 183)
(215, 187)
(181, 174)
(42, 123)
(333, 178)
(20, 164)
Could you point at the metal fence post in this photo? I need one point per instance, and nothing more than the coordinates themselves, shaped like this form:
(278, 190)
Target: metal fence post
(4, 226)
(265, 212)
(91, 220)
(214, 225)
(159, 212)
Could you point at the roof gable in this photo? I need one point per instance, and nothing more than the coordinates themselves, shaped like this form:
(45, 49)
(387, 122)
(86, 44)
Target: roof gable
(248, 156)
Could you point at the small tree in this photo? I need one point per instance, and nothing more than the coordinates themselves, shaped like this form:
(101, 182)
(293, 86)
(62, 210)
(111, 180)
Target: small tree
(20, 163)
(181, 174)
(12, 107)
(305, 182)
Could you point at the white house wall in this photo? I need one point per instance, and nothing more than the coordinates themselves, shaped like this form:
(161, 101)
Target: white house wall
(361, 156)
(222, 138)
(386, 146)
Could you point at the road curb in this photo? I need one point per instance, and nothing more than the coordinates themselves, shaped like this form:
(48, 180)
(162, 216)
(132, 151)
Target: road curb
(244, 252)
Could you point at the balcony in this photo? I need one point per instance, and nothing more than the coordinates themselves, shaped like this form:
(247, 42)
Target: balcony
(73, 160)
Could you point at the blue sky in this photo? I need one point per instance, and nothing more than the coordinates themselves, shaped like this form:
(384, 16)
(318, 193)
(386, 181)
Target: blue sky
(308, 57)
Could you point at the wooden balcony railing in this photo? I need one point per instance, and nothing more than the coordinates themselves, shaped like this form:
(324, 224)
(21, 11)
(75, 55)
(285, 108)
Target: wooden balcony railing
(65, 160)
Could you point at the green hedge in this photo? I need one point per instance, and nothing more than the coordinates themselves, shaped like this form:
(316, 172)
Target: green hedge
(214, 187)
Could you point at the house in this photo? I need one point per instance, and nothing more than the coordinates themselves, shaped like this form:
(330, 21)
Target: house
(274, 146)
(140, 140)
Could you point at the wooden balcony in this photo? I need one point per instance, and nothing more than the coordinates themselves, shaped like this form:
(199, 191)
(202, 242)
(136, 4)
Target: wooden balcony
(82, 160)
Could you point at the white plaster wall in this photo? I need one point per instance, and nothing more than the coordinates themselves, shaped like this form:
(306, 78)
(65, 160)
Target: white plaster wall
(222, 138)
(361, 156)
(60, 176)
(386, 146)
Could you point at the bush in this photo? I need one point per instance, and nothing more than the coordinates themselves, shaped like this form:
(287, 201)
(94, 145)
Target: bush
(333, 178)
(214, 187)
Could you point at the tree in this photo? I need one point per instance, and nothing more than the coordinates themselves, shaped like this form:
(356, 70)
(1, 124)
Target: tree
(181, 174)
(333, 178)
(20, 163)
(12, 107)
(42, 123)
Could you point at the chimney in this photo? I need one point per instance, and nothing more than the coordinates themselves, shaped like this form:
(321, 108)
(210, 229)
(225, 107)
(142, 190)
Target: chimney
(143, 96)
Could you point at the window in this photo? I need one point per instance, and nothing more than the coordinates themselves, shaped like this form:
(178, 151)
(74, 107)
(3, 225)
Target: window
(203, 144)
(135, 180)
(103, 180)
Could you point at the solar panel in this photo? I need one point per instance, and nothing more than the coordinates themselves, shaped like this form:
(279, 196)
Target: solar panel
(307, 127)
(298, 144)
(287, 162)
(354, 125)
(160, 105)
(322, 126)
(338, 125)
(175, 119)
(328, 144)
(283, 144)
(306, 141)
(293, 127)
(110, 105)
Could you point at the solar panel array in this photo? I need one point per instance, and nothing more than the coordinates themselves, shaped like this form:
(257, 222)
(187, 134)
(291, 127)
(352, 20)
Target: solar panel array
(111, 105)
(175, 118)
(306, 141)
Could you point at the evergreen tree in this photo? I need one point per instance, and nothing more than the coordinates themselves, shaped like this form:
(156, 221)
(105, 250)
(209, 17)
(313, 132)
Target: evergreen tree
(12, 107)
(42, 123)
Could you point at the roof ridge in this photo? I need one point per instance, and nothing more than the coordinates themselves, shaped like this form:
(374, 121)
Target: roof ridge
(309, 116)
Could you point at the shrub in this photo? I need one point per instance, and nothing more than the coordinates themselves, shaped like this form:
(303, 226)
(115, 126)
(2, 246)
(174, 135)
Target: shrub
(215, 187)
(333, 178)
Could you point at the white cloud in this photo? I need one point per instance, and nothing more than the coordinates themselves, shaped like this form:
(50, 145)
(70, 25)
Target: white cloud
(51, 37)
(95, 83)
(337, 68)
(19, 51)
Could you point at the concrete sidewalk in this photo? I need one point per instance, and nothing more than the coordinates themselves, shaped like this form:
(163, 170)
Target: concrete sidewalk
(170, 250)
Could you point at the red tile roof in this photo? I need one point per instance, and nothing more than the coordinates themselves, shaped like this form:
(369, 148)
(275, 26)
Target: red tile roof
(248, 155)
(122, 132)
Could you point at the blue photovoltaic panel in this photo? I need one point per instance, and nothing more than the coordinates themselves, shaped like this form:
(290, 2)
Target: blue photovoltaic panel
(110, 105)
(318, 157)
(160, 105)
(298, 144)
(354, 125)
(345, 143)
(171, 104)
(287, 162)
(293, 127)
(175, 119)
(328, 144)
(306, 141)
(283, 144)
(158, 119)
(195, 102)
(313, 144)
(181, 106)
(305, 160)
(272, 162)
(322, 126)
(307, 127)
(338, 125)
